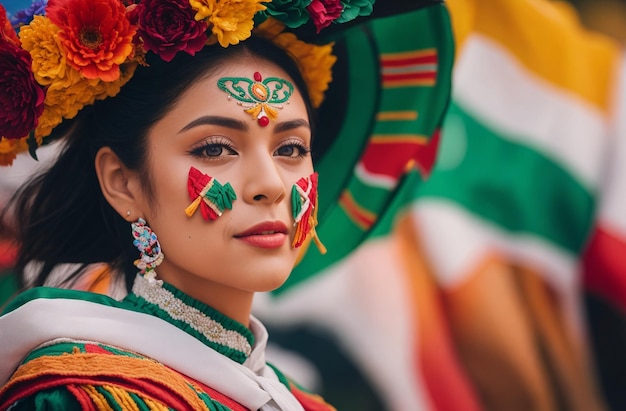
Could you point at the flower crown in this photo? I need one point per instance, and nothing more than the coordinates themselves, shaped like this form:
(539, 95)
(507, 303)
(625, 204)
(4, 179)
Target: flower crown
(70, 53)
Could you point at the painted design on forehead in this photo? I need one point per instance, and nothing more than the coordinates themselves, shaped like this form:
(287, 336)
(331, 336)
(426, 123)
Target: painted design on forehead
(260, 98)
(304, 210)
(207, 193)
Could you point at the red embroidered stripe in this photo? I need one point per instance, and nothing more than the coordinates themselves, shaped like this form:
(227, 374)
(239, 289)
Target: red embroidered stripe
(430, 58)
(218, 396)
(604, 265)
(360, 216)
(310, 402)
(422, 78)
(410, 57)
(417, 68)
(82, 397)
(390, 155)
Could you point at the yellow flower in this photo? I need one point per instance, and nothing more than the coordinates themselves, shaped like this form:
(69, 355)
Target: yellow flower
(10, 148)
(67, 96)
(50, 118)
(203, 8)
(230, 20)
(64, 98)
(40, 39)
(315, 62)
(270, 28)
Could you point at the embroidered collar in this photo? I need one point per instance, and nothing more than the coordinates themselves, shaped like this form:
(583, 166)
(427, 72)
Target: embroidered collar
(214, 329)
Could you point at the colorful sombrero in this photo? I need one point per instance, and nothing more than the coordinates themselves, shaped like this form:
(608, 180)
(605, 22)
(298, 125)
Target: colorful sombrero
(379, 124)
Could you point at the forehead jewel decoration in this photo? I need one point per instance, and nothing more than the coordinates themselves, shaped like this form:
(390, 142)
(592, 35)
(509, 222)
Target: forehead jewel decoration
(260, 98)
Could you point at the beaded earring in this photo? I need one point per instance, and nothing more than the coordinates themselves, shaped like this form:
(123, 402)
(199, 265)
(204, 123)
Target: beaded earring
(208, 194)
(304, 210)
(149, 249)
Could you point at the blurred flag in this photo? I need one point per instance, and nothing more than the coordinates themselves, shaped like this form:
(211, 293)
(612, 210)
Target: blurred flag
(509, 209)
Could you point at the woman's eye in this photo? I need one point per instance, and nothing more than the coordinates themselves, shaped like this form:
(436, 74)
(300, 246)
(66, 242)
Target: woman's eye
(292, 150)
(213, 150)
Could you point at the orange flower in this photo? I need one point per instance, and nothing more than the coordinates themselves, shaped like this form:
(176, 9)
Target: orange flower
(10, 148)
(95, 34)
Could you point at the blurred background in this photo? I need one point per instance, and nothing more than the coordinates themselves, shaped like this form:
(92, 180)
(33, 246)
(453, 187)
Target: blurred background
(477, 263)
(500, 284)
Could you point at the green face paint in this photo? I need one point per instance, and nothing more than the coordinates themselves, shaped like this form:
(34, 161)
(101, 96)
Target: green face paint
(260, 98)
(208, 194)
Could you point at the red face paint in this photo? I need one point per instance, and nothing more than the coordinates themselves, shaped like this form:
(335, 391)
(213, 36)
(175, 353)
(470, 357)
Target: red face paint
(208, 194)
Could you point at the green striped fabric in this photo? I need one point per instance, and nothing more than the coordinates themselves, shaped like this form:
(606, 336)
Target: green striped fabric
(346, 198)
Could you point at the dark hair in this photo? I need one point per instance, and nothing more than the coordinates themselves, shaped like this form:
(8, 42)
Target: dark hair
(61, 215)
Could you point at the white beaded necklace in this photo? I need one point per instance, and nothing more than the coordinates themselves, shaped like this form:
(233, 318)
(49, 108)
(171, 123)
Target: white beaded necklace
(153, 292)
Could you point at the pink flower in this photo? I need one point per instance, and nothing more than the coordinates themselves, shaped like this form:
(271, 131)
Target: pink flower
(168, 26)
(21, 98)
(324, 12)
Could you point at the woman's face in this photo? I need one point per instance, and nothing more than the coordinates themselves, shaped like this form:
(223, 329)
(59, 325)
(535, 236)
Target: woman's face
(248, 248)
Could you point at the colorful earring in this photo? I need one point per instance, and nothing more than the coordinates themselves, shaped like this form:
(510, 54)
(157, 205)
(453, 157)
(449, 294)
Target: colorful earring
(206, 192)
(259, 98)
(304, 209)
(149, 249)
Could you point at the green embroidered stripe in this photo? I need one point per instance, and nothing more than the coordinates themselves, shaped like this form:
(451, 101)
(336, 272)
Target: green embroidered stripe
(336, 167)
(111, 401)
(8, 286)
(235, 355)
(208, 325)
(141, 404)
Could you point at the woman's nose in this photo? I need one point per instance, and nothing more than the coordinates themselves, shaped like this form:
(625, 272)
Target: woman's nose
(264, 182)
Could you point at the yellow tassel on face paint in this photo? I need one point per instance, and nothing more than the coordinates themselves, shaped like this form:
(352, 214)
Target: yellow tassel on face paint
(254, 111)
(318, 242)
(193, 206)
(271, 112)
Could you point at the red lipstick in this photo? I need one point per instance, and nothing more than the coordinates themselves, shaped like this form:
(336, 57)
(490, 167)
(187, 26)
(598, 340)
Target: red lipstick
(269, 234)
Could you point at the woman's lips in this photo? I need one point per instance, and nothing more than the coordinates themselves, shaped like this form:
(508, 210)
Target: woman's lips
(269, 234)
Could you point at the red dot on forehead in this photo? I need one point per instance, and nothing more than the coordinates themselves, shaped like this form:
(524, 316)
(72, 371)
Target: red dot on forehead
(263, 121)
(257, 76)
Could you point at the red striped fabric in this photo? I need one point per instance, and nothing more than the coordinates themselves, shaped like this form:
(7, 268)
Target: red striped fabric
(418, 68)
(604, 268)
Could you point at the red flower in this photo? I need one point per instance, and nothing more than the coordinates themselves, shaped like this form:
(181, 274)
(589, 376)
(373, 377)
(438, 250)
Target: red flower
(324, 12)
(168, 26)
(6, 30)
(21, 98)
(96, 35)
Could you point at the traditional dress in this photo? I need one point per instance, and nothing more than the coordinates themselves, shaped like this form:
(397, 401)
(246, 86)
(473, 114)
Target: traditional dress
(157, 349)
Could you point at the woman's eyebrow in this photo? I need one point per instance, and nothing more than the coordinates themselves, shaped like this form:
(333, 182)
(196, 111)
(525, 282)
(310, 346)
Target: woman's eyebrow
(216, 121)
(290, 125)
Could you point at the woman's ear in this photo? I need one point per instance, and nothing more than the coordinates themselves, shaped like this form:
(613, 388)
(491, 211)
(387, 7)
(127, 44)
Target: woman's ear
(119, 185)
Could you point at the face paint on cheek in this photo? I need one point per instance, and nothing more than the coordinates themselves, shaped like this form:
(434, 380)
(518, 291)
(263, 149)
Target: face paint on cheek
(207, 193)
(260, 98)
(304, 211)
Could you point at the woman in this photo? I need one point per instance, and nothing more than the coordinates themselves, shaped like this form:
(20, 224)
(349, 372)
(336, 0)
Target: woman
(206, 147)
